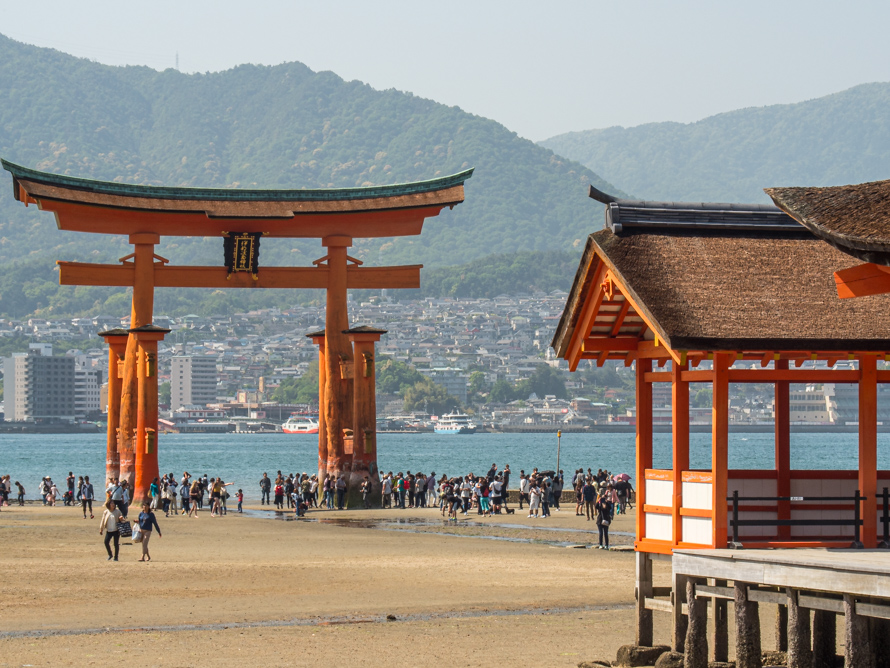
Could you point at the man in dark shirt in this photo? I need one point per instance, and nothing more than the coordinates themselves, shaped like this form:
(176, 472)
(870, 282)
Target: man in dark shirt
(265, 488)
(492, 472)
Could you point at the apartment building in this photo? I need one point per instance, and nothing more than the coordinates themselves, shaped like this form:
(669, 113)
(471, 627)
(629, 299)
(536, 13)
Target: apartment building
(193, 381)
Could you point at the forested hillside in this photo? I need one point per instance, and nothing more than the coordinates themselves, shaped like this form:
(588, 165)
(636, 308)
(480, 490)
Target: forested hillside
(258, 126)
(837, 139)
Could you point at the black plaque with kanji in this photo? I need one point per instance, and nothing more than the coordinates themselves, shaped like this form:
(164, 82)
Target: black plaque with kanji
(242, 251)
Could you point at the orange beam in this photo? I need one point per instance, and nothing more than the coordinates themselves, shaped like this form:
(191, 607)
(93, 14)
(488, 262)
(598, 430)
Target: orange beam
(588, 315)
(594, 344)
(783, 447)
(619, 320)
(107, 220)
(680, 441)
(862, 281)
(644, 440)
(720, 448)
(868, 447)
(165, 276)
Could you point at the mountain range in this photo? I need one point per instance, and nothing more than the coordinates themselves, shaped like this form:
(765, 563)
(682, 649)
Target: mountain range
(730, 157)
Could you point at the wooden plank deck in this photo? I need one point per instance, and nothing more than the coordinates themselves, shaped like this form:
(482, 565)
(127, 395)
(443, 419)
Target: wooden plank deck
(838, 571)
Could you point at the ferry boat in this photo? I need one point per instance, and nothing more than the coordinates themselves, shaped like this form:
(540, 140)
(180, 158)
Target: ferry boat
(300, 424)
(455, 423)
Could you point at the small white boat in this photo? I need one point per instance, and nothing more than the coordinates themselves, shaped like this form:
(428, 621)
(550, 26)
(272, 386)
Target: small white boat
(300, 424)
(455, 423)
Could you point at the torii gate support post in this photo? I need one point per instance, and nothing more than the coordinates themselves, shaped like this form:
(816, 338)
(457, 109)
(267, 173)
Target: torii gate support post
(336, 403)
(140, 316)
(117, 346)
(146, 449)
(318, 339)
(364, 445)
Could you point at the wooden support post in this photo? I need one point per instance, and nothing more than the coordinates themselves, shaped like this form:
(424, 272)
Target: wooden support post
(719, 626)
(140, 315)
(781, 628)
(695, 652)
(783, 447)
(318, 339)
(680, 440)
(747, 622)
(857, 644)
(117, 346)
(824, 639)
(720, 448)
(868, 447)
(337, 401)
(146, 442)
(644, 440)
(364, 453)
(679, 621)
(800, 654)
(643, 590)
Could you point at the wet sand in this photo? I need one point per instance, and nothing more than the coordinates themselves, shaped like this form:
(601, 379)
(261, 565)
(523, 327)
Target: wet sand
(246, 590)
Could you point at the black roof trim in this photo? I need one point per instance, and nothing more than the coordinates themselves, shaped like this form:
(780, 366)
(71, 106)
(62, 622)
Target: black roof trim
(632, 215)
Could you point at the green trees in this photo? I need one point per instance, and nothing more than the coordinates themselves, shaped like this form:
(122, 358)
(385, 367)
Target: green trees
(427, 396)
(395, 377)
(543, 381)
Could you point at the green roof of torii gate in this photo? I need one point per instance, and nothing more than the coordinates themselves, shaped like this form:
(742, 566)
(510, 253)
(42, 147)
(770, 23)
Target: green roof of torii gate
(236, 194)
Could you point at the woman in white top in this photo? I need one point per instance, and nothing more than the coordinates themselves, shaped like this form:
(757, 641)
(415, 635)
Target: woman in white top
(534, 500)
(110, 517)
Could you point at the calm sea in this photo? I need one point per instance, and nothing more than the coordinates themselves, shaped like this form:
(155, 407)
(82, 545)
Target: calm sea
(243, 458)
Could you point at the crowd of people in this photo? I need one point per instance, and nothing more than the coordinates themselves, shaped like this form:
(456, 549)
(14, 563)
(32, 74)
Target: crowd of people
(598, 496)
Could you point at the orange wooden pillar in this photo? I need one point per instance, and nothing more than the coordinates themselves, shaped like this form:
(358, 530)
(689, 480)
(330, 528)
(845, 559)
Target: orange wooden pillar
(336, 404)
(644, 439)
(318, 339)
(680, 440)
(146, 441)
(140, 315)
(720, 448)
(117, 346)
(364, 389)
(868, 447)
(783, 447)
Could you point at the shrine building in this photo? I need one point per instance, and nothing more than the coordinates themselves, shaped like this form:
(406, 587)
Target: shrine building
(707, 295)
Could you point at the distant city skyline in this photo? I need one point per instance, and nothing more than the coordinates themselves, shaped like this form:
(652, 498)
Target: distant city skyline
(541, 70)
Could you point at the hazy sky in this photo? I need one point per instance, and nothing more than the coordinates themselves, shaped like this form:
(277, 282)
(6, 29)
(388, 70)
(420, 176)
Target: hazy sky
(540, 68)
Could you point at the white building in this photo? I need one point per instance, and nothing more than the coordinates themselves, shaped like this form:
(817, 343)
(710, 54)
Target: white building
(38, 387)
(193, 381)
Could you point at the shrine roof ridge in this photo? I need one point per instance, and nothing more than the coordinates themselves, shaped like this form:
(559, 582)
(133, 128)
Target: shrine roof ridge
(632, 215)
(234, 194)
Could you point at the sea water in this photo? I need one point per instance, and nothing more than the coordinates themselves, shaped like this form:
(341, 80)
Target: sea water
(242, 458)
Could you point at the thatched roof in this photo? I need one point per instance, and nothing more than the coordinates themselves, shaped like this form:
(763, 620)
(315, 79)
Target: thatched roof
(855, 219)
(733, 288)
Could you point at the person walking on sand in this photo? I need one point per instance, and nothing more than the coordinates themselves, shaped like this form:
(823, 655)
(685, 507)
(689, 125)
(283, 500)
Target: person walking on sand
(194, 495)
(21, 489)
(147, 520)
(108, 525)
(524, 486)
(86, 497)
(604, 508)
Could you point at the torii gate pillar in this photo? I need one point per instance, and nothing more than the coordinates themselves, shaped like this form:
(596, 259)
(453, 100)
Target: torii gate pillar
(146, 436)
(364, 430)
(117, 346)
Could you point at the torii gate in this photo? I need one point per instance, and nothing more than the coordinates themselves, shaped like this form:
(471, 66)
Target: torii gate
(240, 218)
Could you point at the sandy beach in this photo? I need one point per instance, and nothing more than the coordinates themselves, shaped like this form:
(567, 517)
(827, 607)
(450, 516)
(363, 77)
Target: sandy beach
(247, 590)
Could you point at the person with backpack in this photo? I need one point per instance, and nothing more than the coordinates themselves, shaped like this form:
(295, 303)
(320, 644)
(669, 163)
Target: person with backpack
(86, 497)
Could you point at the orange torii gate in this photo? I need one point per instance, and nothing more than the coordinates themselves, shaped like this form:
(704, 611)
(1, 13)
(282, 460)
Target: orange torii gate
(241, 218)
